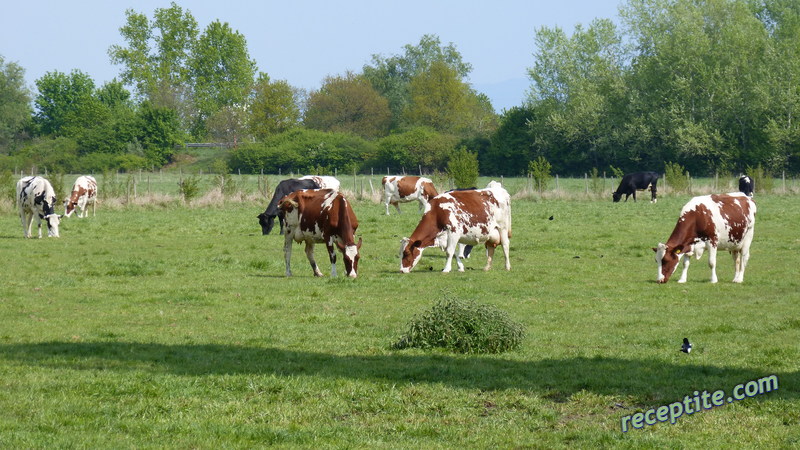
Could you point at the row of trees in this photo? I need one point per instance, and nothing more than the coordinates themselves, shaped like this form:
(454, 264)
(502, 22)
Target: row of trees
(711, 84)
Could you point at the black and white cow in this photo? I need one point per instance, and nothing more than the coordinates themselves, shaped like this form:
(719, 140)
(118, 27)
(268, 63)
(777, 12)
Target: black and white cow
(36, 197)
(637, 181)
(746, 185)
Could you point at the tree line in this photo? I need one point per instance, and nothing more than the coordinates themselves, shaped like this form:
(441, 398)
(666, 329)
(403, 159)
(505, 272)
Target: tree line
(709, 84)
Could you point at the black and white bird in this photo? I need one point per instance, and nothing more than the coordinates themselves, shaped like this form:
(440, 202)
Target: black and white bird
(687, 346)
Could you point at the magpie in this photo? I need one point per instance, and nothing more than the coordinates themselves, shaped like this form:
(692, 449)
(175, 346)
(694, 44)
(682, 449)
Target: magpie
(687, 346)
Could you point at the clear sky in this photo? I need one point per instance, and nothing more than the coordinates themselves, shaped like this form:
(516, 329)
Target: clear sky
(302, 41)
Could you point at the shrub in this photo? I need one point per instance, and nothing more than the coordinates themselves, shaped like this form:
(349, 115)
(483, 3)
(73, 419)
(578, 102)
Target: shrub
(463, 168)
(762, 179)
(540, 169)
(463, 326)
(189, 188)
(676, 177)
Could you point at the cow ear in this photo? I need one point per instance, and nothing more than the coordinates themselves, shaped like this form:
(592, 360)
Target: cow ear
(654, 249)
(358, 246)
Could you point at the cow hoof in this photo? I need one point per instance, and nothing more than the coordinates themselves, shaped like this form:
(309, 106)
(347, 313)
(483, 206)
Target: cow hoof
(681, 281)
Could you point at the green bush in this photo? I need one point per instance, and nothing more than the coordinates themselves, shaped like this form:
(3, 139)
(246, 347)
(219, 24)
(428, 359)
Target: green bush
(189, 187)
(464, 327)
(463, 169)
(676, 177)
(540, 169)
(762, 179)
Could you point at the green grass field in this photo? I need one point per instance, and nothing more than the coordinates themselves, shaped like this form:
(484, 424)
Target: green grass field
(168, 326)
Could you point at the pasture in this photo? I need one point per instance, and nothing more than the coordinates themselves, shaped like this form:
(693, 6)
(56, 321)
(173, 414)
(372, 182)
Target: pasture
(158, 325)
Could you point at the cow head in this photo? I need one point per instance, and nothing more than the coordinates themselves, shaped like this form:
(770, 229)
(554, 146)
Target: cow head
(350, 254)
(52, 221)
(616, 196)
(69, 206)
(667, 259)
(266, 221)
(410, 253)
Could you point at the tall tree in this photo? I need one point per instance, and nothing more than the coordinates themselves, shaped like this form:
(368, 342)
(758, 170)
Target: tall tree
(60, 95)
(15, 99)
(274, 107)
(155, 60)
(221, 70)
(579, 88)
(348, 103)
(391, 76)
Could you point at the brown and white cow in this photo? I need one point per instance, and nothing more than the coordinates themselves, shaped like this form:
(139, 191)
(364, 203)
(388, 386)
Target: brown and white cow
(712, 222)
(84, 192)
(480, 216)
(321, 215)
(402, 189)
(36, 197)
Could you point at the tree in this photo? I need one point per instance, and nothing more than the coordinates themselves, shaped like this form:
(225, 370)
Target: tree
(419, 146)
(273, 107)
(15, 100)
(158, 132)
(579, 88)
(438, 99)
(392, 76)
(221, 70)
(350, 104)
(60, 97)
(155, 60)
(511, 145)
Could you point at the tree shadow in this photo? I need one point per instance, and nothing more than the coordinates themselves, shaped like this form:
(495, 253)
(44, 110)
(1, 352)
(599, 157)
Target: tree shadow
(651, 381)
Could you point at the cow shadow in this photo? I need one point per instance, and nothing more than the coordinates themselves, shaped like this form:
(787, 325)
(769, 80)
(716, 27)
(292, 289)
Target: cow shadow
(649, 381)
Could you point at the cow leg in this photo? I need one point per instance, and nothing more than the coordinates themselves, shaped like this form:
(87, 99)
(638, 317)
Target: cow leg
(94, 205)
(653, 198)
(397, 207)
(332, 256)
(489, 255)
(287, 254)
(712, 262)
(506, 243)
(387, 205)
(22, 220)
(745, 256)
(39, 225)
(736, 255)
(310, 256)
(634, 196)
(686, 261)
(452, 244)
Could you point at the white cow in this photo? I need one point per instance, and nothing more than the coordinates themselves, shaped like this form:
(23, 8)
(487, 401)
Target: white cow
(399, 189)
(84, 192)
(36, 197)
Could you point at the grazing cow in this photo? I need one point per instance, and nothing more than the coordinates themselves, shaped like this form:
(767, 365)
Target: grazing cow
(321, 215)
(323, 182)
(481, 216)
(710, 222)
(402, 189)
(84, 191)
(637, 181)
(35, 197)
(284, 188)
(746, 185)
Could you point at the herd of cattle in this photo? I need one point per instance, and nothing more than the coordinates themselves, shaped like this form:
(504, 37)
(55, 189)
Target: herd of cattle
(311, 210)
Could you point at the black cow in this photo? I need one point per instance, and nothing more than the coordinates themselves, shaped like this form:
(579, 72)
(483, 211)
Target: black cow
(637, 181)
(284, 188)
(746, 185)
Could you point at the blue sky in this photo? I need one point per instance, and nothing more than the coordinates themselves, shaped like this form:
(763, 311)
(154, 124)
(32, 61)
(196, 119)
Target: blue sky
(303, 41)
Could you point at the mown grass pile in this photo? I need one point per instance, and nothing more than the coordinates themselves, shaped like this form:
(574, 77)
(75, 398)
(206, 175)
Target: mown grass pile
(464, 327)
